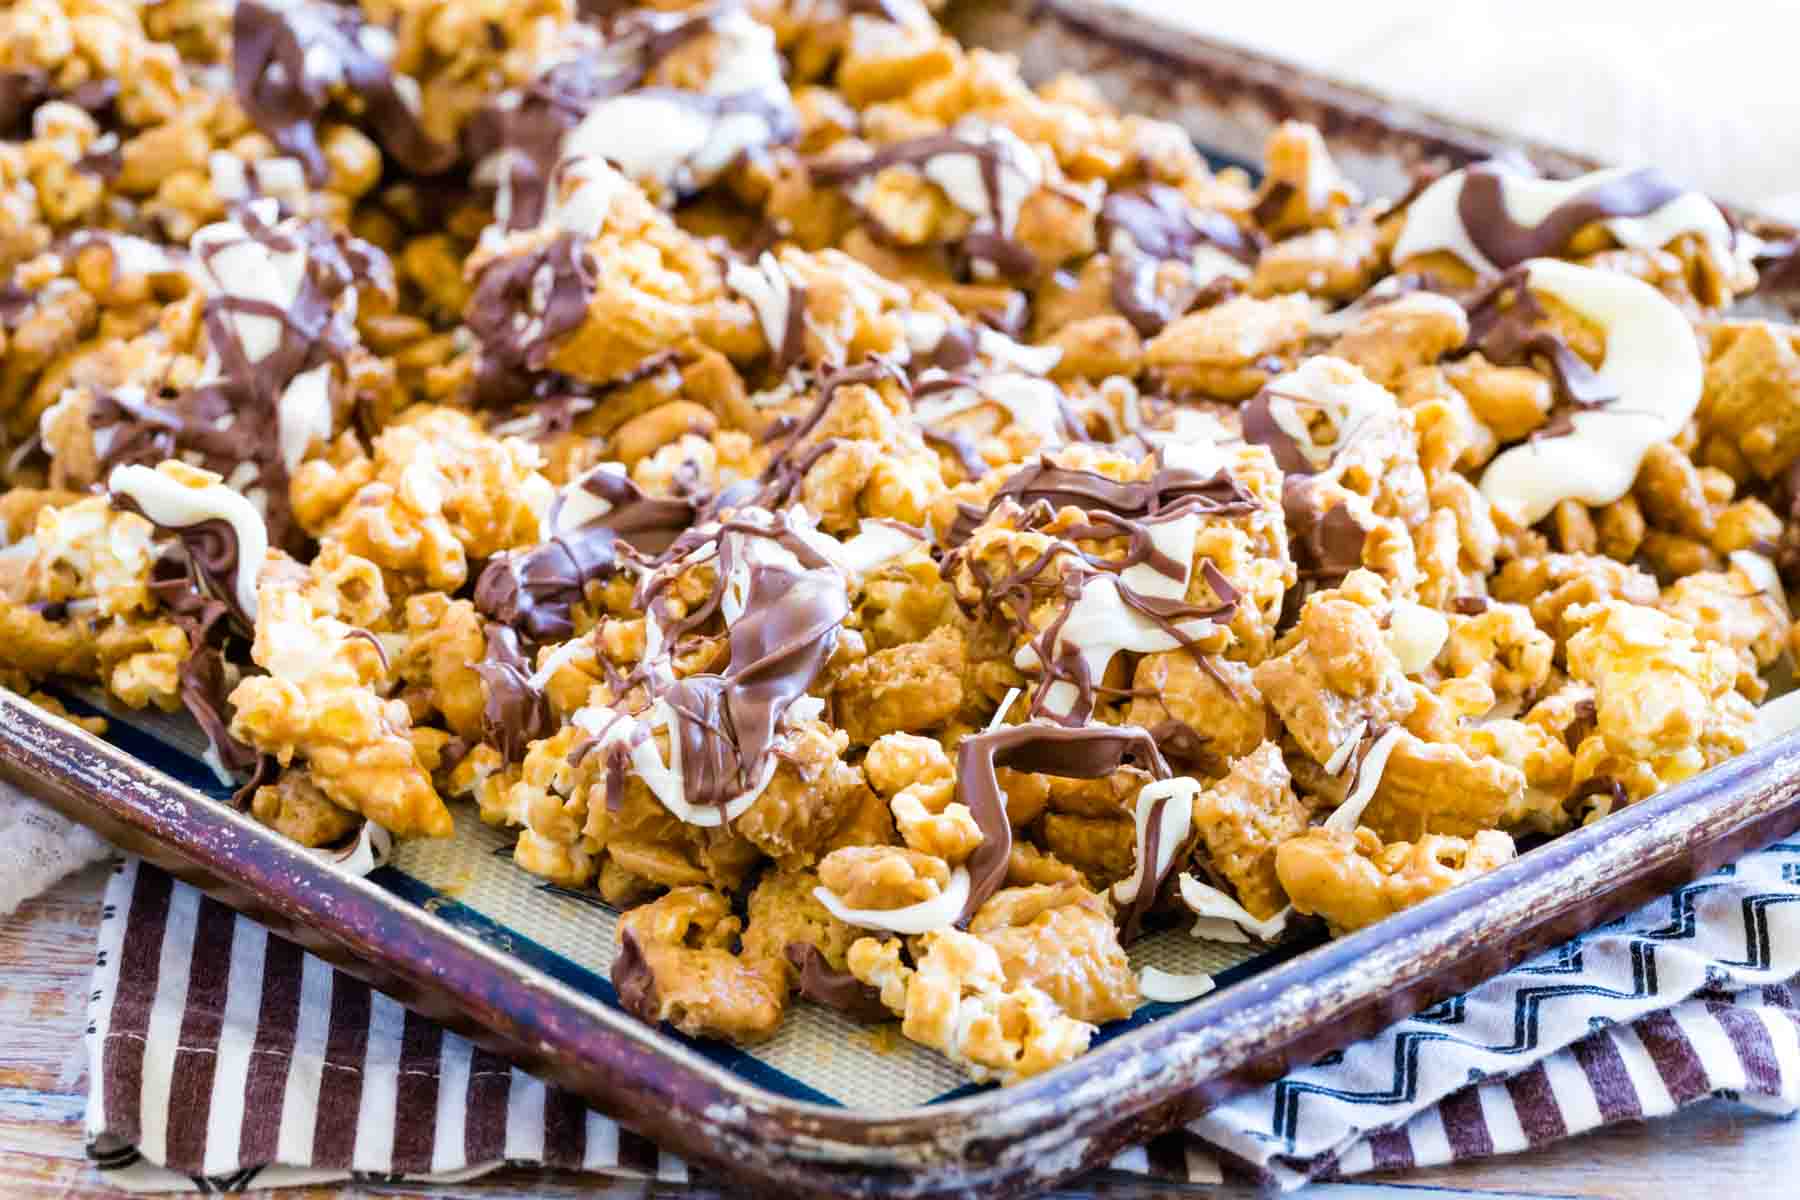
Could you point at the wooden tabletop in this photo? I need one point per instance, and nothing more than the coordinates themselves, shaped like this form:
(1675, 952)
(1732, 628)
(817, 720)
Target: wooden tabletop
(46, 950)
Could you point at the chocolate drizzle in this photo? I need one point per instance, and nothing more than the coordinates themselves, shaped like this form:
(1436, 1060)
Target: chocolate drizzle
(515, 713)
(1327, 543)
(1114, 509)
(211, 550)
(205, 679)
(1009, 256)
(1069, 752)
(1163, 227)
(726, 725)
(1169, 492)
(20, 94)
(1262, 429)
(523, 304)
(521, 132)
(23, 90)
(1778, 266)
(1131, 917)
(1481, 207)
(728, 722)
(821, 983)
(1507, 325)
(236, 419)
(534, 591)
(527, 128)
(634, 981)
(287, 59)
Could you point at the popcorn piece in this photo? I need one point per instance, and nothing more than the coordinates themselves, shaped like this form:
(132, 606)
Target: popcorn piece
(1354, 880)
(956, 1001)
(1665, 704)
(806, 800)
(1441, 788)
(1231, 349)
(1501, 648)
(437, 492)
(883, 877)
(1060, 939)
(904, 688)
(675, 964)
(319, 702)
(916, 777)
(1752, 382)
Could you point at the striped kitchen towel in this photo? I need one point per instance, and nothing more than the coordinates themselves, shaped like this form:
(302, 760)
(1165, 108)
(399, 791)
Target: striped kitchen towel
(221, 1057)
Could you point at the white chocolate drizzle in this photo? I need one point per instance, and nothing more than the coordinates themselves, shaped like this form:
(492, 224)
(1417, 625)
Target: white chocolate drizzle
(1652, 364)
(769, 292)
(1219, 918)
(939, 912)
(1345, 816)
(1434, 220)
(1168, 987)
(655, 134)
(1337, 390)
(232, 262)
(1100, 624)
(1177, 823)
(166, 501)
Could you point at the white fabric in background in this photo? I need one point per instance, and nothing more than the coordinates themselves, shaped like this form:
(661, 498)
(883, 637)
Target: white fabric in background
(38, 847)
(1705, 91)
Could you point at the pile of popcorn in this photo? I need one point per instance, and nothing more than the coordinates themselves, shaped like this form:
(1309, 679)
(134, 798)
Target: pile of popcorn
(897, 533)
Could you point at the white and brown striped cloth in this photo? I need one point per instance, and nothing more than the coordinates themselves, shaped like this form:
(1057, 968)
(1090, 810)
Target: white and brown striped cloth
(221, 1057)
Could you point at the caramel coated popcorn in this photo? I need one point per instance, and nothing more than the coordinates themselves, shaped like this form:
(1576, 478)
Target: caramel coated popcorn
(899, 534)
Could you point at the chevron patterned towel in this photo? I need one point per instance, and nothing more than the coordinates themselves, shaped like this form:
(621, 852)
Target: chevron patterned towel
(255, 1064)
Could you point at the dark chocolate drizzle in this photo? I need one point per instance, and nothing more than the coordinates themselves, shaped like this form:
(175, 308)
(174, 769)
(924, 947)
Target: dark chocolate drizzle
(1037, 491)
(20, 94)
(514, 713)
(528, 125)
(634, 981)
(23, 90)
(211, 549)
(1169, 492)
(1010, 257)
(1507, 325)
(1069, 752)
(273, 48)
(1131, 917)
(523, 304)
(1481, 206)
(534, 591)
(205, 679)
(728, 722)
(1778, 266)
(821, 983)
(1327, 543)
(1163, 227)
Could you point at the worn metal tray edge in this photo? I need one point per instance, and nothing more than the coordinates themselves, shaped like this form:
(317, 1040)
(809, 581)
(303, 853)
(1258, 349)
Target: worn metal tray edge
(1229, 97)
(1072, 1119)
(993, 1143)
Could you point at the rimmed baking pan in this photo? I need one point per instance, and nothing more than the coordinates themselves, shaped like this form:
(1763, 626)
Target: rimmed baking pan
(456, 932)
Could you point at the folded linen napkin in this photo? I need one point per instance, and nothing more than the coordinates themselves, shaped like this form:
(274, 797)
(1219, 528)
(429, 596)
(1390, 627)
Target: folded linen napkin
(222, 1057)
